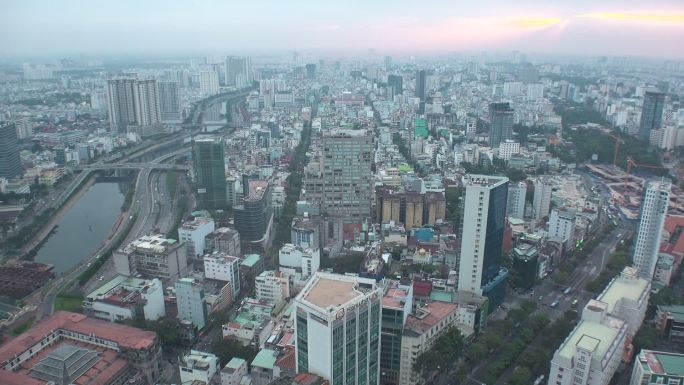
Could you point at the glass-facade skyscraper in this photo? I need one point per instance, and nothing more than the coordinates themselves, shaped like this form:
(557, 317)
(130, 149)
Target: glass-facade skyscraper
(484, 223)
(651, 113)
(10, 162)
(500, 123)
(208, 156)
(651, 222)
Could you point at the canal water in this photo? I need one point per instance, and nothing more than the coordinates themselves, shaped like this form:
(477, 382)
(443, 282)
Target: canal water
(84, 227)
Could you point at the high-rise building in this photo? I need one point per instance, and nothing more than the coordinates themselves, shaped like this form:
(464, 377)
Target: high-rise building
(500, 123)
(208, 156)
(341, 183)
(396, 83)
(651, 113)
(397, 304)
(133, 102)
(654, 368)
(152, 256)
(421, 84)
(650, 230)
(223, 267)
(193, 234)
(561, 225)
(169, 101)
(515, 207)
(484, 223)
(209, 82)
(254, 214)
(541, 203)
(311, 71)
(238, 66)
(388, 63)
(10, 162)
(337, 328)
(190, 302)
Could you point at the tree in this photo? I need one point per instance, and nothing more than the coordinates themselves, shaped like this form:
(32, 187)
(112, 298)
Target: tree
(443, 354)
(227, 349)
(520, 376)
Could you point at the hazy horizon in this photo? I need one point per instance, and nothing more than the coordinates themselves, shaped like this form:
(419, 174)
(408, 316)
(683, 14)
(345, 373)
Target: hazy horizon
(612, 28)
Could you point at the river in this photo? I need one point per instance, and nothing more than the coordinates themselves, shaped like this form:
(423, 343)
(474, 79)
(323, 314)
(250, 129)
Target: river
(84, 227)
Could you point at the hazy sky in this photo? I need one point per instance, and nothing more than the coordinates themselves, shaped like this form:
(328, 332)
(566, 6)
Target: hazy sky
(626, 27)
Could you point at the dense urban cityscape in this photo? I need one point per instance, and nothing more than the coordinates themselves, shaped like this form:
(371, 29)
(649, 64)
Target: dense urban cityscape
(496, 215)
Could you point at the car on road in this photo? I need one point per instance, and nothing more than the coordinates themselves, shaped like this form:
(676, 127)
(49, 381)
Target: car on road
(541, 297)
(574, 302)
(567, 291)
(553, 304)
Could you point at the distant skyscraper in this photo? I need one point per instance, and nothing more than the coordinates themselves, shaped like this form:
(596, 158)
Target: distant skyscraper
(208, 155)
(421, 80)
(484, 222)
(500, 123)
(516, 200)
(238, 66)
(133, 102)
(651, 221)
(10, 162)
(311, 71)
(388, 63)
(541, 204)
(209, 82)
(396, 82)
(337, 329)
(169, 101)
(341, 182)
(651, 113)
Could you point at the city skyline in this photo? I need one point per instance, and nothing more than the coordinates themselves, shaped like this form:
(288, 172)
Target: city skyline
(608, 28)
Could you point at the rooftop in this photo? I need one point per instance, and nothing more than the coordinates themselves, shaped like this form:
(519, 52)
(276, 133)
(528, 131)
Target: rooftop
(484, 180)
(266, 358)
(327, 290)
(592, 336)
(663, 363)
(124, 336)
(251, 260)
(151, 243)
(626, 285)
(394, 296)
(429, 315)
(233, 364)
(676, 312)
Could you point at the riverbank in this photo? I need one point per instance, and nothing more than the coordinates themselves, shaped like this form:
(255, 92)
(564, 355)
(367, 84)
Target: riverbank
(47, 229)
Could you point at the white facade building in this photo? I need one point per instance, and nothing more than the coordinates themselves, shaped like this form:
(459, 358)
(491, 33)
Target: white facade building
(152, 256)
(561, 225)
(508, 148)
(337, 328)
(305, 259)
(650, 230)
(193, 234)
(542, 198)
(515, 206)
(209, 82)
(232, 373)
(122, 297)
(190, 302)
(223, 267)
(272, 286)
(199, 366)
(483, 194)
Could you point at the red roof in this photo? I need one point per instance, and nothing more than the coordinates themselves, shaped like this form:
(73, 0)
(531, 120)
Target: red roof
(287, 359)
(422, 288)
(125, 336)
(674, 225)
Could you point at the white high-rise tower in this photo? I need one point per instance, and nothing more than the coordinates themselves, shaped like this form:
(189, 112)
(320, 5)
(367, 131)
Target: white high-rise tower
(651, 221)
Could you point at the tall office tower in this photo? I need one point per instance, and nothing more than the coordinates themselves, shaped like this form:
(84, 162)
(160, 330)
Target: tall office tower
(190, 302)
(421, 84)
(561, 225)
(484, 222)
(397, 304)
(209, 82)
(208, 155)
(133, 102)
(541, 203)
(516, 200)
(169, 101)
(396, 82)
(342, 185)
(388, 63)
(311, 71)
(10, 162)
(500, 123)
(651, 113)
(238, 66)
(651, 221)
(254, 214)
(337, 329)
